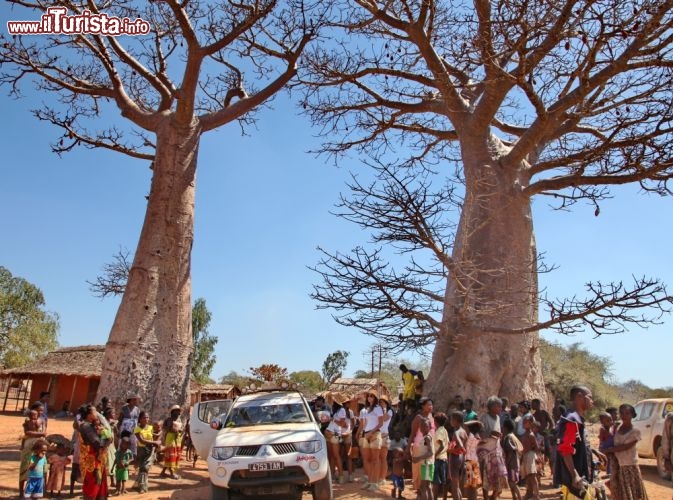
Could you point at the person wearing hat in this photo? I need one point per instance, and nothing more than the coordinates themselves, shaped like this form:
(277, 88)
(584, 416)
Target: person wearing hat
(172, 440)
(370, 441)
(338, 432)
(128, 420)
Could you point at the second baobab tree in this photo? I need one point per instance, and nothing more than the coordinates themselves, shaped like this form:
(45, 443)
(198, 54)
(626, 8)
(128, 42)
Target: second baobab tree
(203, 65)
(494, 103)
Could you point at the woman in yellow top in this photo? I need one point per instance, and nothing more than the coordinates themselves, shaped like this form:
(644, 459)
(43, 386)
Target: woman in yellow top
(172, 440)
(144, 433)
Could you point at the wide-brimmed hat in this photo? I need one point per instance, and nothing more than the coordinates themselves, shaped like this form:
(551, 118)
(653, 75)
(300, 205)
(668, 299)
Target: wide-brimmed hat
(385, 398)
(340, 398)
(175, 407)
(132, 396)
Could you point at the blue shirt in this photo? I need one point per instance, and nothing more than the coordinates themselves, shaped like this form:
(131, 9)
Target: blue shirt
(40, 466)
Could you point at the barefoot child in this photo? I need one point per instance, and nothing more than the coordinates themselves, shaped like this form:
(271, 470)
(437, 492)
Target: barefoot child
(123, 458)
(440, 487)
(425, 454)
(36, 471)
(58, 461)
(457, 449)
(529, 462)
(512, 448)
(397, 476)
(472, 482)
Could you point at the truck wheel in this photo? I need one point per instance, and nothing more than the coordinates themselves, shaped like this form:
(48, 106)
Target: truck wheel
(219, 493)
(297, 493)
(663, 473)
(322, 490)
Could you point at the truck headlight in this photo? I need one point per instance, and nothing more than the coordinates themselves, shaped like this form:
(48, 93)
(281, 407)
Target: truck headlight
(223, 452)
(308, 446)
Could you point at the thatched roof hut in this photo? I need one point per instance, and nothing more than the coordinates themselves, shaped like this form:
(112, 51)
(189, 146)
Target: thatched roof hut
(358, 387)
(209, 392)
(83, 361)
(70, 374)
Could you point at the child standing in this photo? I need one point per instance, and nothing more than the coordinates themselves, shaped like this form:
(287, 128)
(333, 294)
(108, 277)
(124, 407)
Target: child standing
(123, 458)
(457, 454)
(512, 448)
(36, 471)
(397, 476)
(58, 461)
(425, 455)
(472, 481)
(440, 485)
(529, 461)
(606, 438)
(540, 449)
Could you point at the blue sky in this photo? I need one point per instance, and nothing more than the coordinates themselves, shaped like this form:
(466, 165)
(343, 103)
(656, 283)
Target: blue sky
(262, 208)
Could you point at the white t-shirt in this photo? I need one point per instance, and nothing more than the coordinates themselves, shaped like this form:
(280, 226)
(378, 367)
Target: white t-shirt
(334, 427)
(387, 417)
(371, 417)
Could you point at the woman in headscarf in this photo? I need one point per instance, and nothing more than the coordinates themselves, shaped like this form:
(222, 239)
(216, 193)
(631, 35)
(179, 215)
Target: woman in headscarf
(93, 454)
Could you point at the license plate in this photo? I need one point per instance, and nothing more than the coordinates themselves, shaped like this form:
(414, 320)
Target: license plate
(266, 466)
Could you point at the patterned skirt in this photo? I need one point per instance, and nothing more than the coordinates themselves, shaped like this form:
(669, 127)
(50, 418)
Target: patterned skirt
(472, 474)
(627, 483)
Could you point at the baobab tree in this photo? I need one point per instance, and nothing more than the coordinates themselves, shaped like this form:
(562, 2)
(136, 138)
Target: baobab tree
(200, 66)
(505, 100)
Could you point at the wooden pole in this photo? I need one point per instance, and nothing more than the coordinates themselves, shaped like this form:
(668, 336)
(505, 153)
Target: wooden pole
(9, 384)
(26, 392)
(72, 394)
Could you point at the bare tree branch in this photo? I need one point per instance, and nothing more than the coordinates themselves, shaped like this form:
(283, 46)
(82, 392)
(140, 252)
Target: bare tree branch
(610, 308)
(115, 276)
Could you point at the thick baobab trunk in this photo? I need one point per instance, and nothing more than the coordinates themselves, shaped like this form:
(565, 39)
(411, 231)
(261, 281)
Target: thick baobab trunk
(149, 350)
(492, 287)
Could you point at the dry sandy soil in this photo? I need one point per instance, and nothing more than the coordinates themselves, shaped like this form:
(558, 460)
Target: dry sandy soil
(194, 483)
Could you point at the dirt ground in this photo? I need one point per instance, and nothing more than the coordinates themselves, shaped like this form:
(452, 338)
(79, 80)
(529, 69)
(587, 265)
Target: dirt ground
(194, 484)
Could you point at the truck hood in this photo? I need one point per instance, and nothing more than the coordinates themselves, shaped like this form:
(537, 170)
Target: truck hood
(267, 434)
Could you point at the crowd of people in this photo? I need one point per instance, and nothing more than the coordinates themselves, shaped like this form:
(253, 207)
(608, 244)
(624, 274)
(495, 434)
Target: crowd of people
(460, 453)
(102, 452)
(455, 452)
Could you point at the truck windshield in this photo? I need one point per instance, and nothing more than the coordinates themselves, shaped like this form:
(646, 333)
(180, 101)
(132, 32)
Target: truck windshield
(266, 414)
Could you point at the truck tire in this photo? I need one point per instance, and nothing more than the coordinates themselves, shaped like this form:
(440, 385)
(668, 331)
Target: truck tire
(322, 490)
(663, 473)
(219, 493)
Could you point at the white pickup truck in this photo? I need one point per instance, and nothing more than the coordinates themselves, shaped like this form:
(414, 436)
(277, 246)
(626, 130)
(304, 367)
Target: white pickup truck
(650, 422)
(264, 443)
